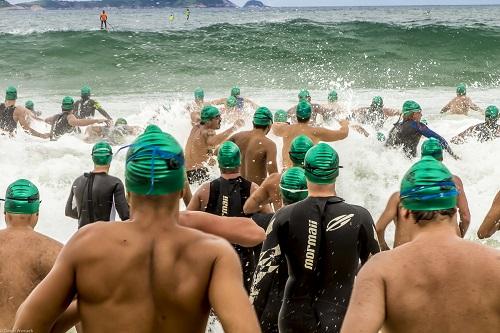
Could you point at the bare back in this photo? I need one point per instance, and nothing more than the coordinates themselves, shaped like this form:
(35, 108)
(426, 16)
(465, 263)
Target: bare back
(27, 257)
(460, 105)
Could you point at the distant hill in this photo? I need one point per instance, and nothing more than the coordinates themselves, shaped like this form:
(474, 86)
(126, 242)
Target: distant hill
(55, 4)
(254, 4)
(4, 3)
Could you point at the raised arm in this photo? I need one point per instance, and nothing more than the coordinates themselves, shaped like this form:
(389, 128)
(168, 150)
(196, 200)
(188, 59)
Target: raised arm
(216, 139)
(474, 106)
(447, 107)
(491, 222)
(99, 108)
(389, 214)
(463, 206)
(258, 199)
(328, 135)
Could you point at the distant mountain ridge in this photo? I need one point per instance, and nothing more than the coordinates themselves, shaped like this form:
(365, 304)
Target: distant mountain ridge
(55, 4)
(4, 3)
(254, 4)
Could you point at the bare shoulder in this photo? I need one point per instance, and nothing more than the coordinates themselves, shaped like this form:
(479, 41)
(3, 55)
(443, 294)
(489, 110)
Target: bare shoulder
(272, 180)
(205, 245)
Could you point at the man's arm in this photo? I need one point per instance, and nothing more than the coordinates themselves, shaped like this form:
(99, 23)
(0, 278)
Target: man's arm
(227, 295)
(74, 121)
(99, 108)
(236, 230)
(266, 209)
(218, 101)
(491, 222)
(258, 199)
(474, 106)
(121, 203)
(389, 214)
(280, 129)
(195, 203)
(447, 107)
(50, 120)
(366, 311)
(71, 211)
(463, 207)
(388, 112)
(328, 135)
(20, 114)
(271, 164)
(217, 139)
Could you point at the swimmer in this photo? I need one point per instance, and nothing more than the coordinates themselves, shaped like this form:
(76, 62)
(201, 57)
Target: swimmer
(194, 108)
(149, 274)
(281, 116)
(376, 114)
(187, 13)
(428, 284)
(95, 195)
(491, 222)
(203, 140)
(430, 147)
(115, 135)
(86, 107)
(487, 131)
(241, 102)
(316, 109)
(323, 239)
(258, 152)
(31, 106)
(303, 113)
(461, 104)
(336, 109)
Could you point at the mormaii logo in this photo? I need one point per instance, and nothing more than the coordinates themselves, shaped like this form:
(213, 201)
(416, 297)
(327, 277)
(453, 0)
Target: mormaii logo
(311, 244)
(339, 222)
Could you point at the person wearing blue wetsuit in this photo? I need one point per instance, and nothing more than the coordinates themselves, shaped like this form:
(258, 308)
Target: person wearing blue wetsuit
(323, 240)
(407, 134)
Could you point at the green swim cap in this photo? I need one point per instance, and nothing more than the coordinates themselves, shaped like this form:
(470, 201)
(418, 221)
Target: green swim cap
(381, 136)
(102, 153)
(428, 186)
(235, 91)
(280, 116)
(67, 103)
(29, 105)
(424, 121)
(231, 101)
(121, 121)
(461, 89)
(155, 164)
(321, 164)
(293, 185)
(491, 112)
(378, 101)
(332, 96)
(410, 107)
(298, 149)
(11, 93)
(208, 113)
(229, 156)
(199, 94)
(303, 110)
(303, 94)
(432, 147)
(263, 117)
(85, 91)
(22, 197)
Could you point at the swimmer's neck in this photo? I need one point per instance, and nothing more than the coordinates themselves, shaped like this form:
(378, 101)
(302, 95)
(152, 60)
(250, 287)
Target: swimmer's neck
(10, 103)
(101, 169)
(160, 211)
(259, 131)
(230, 175)
(321, 191)
(20, 222)
(440, 228)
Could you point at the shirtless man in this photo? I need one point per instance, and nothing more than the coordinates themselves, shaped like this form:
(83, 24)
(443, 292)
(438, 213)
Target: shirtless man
(491, 223)
(269, 191)
(203, 140)
(461, 104)
(148, 274)
(376, 114)
(487, 131)
(258, 152)
(316, 134)
(27, 256)
(436, 283)
(334, 106)
(194, 108)
(12, 114)
(430, 147)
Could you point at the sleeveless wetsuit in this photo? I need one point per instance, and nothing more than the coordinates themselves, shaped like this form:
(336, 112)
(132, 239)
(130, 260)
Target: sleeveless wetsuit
(7, 122)
(106, 192)
(86, 108)
(323, 240)
(484, 131)
(61, 126)
(227, 198)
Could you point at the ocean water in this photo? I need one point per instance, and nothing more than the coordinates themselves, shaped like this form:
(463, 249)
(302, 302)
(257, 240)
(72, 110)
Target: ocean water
(145, 70)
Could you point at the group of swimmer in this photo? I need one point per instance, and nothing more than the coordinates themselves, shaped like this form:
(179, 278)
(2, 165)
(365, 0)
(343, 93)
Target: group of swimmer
(266, 250)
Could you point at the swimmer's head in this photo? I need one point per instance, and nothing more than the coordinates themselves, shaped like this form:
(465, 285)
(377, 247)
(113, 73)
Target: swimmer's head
(154, 164)
(432, 147)
(22, 197)
(209, 113)
(235, 91)
(491, 113)
(321, 164)
(199, 94)
(303, 111)
(332, 96)
(231, 102)
(280, 116)
(85, 91)
(229, 157)
(304, 95)
(299, 148)
(121, 122)
(377, 102)
(411, 107)
(428, 186)
(11, 93)
(29, 105)
(262, 117)
(461, 89)
(102, 153)
(67, 103)
(293, 185)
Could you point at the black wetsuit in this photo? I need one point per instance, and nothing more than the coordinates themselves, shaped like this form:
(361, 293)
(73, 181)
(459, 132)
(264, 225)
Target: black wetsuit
(7, 122)
(227, 198)
(484, 131)
(240, 103)
(323, 241)
(107, 192)
(407, 135)
(86, 107)
(61, 126)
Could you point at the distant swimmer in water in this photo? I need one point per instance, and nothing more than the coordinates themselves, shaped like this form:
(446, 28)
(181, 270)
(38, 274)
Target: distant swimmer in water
(86, 107)
(429, 284)
(31, 106)
(336, 109)
(461, 104)
(487, 131)
(430, 147)
(491, 223)
(66, 122)
(96, 195)
(317, 109)
(104, 20)
(12, 114)
(407, 134)
(303, 112)
(230, 109)
(324, 240)
(194, 108)
(171, 18)
(187, 13)
(149, 274)
(202, 142)
(116, 135)
(376, 114)
(241, 102)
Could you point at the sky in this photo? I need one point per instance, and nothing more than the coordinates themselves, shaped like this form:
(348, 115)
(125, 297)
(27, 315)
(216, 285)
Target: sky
(312, 3)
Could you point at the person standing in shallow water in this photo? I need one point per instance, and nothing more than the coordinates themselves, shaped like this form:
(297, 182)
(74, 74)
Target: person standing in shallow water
(104, 20)
(461, 104)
